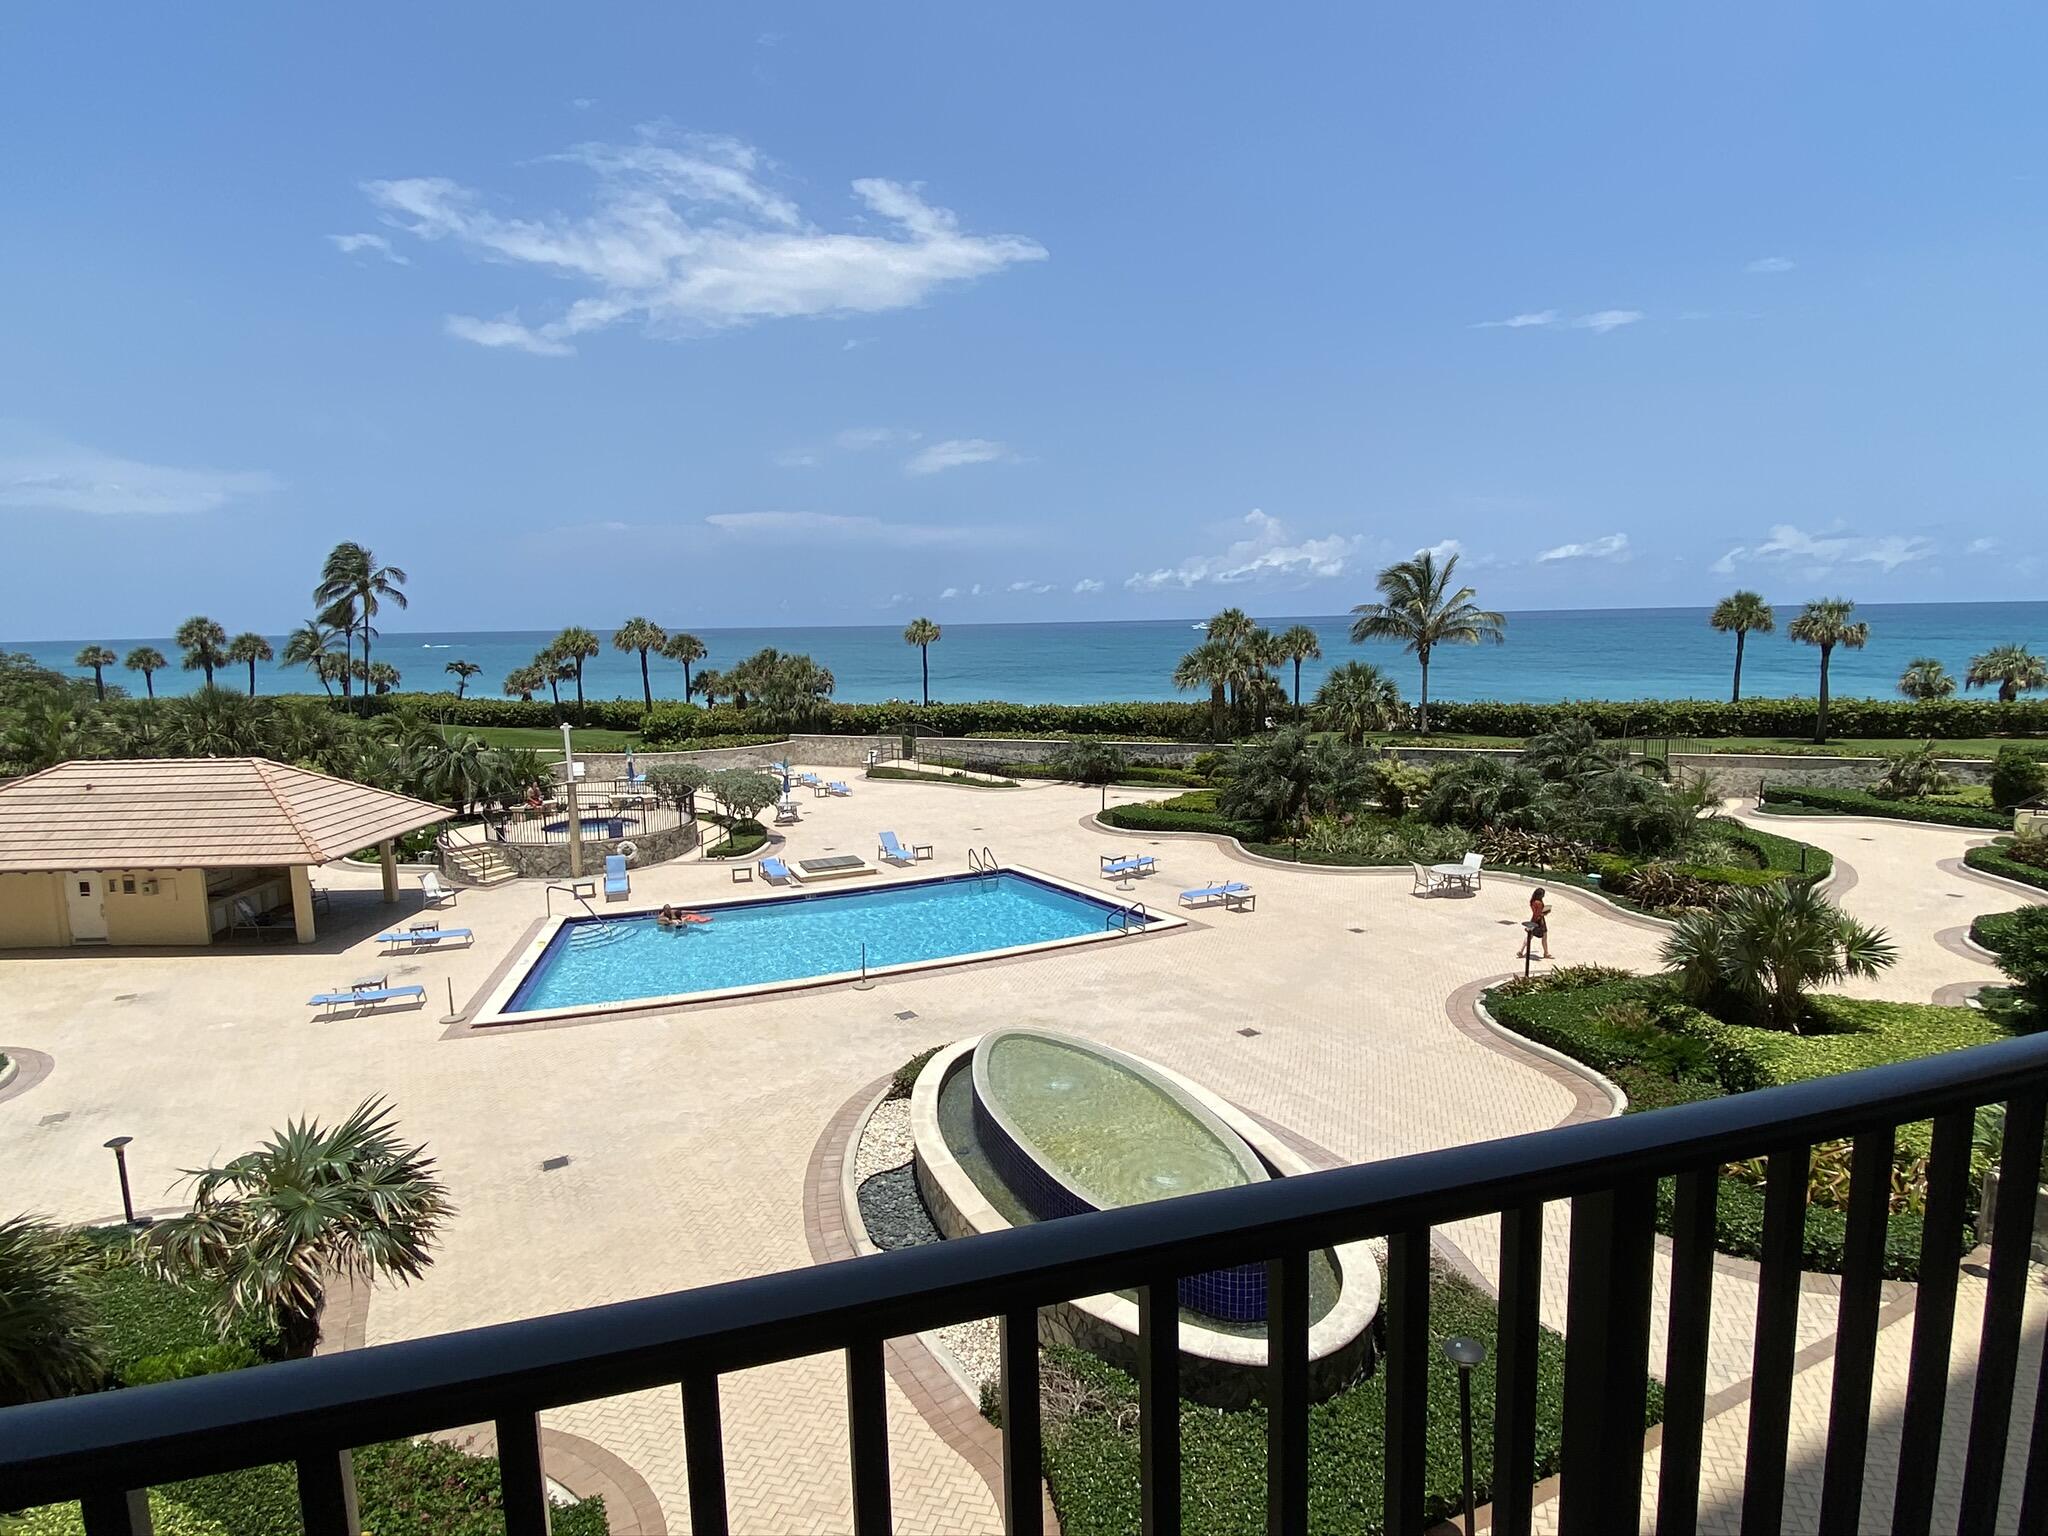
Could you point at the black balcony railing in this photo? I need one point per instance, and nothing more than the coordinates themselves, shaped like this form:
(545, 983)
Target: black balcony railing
(106, 1450)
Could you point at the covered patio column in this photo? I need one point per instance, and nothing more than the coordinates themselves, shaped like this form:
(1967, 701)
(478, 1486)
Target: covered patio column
(387, 856)
(302, 902)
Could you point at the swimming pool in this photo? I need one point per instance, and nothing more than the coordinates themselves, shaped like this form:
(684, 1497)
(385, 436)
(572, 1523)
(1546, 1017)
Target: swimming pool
(594, 962)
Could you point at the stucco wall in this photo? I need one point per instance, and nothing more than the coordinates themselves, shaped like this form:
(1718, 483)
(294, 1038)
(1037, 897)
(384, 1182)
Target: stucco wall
(31, 912)
(175, 914)
(1170, 754)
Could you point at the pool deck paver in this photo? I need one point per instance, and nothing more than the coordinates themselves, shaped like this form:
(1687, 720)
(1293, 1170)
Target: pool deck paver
(688, 1131)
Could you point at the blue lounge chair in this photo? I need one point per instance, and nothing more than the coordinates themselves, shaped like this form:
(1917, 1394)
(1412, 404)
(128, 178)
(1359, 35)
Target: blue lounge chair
(1128, 864)
(838, 787)
(364, 997)
(1225, 891)
(418, 937)
(896, 853)
(616, 885)
(809, 778)
(775, 870)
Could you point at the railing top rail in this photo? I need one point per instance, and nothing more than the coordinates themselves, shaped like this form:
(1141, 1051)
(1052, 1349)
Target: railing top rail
(244, 1418)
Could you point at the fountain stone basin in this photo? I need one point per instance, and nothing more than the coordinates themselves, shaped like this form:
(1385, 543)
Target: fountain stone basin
(1019, 1126)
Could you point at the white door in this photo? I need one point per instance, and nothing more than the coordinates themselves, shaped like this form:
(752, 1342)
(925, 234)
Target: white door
(85, 898)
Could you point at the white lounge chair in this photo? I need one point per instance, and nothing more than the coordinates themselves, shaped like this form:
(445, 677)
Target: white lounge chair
(433, 893)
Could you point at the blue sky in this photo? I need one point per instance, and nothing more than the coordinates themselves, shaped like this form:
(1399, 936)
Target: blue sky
(760, 314)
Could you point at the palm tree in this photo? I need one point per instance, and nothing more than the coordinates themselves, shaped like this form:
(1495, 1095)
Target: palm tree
(1208, 666)
(308, 645)
(713, 686)
(352, 575)
(1825, 622)
(331, 669)
(1739, 613)
(49, 1334)
(269, 1229)
(205, 646)
(464, 671)
(2014, 668)
(99, 658)
(252, 648)
(684, 648)
(45, 731)
(340, 617)
(1926, 678)
(147, 660)
(1298, 643)
(575, 645)
(1768, 945)
(1418, 607)
(213, 722)
(923, 634)
(642, 635)
(381, 676)
(1355, 699)
(524, 682)
(556, 669)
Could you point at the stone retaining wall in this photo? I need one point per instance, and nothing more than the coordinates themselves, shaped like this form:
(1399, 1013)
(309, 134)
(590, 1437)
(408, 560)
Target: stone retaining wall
(1163, 754)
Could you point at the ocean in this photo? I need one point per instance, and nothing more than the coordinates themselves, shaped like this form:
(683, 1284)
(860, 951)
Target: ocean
(1632, 653)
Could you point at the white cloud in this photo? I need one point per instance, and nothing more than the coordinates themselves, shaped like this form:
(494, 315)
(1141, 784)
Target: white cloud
(1263, 553)
(1980, 546)
(506, 331)
(796, 458)
(583, 103)
(975, 590)
(688, 235)
(1612, 546)
(954, 452)
(895, 600)
(1031, 586)
(44, 475)
(1604, 320)
(1442, 550)
(348, 245)
(1519, 322)
(859, 439)
(1087, 584)
(950, 592)
(852, 342)
(1767, 264)
(1820, 552)
(836, 528)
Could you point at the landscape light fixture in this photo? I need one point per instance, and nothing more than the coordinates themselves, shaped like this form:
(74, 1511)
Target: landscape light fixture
(1465, 1352)
(117, 1146)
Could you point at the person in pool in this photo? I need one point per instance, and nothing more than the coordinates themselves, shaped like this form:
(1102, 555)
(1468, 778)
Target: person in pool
(1537, 927)
(668, 917)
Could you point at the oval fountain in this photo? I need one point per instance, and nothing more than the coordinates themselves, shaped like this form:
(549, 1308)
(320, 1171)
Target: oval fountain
(1019, 1126)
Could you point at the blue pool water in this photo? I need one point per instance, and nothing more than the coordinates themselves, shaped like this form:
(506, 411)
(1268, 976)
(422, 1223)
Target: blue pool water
(593, 961)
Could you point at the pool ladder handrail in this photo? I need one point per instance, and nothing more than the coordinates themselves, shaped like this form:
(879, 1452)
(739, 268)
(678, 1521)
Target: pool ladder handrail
(983, 863)
(1122, 916)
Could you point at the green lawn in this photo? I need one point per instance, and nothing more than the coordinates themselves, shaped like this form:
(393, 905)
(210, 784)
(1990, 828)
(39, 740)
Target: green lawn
(545, 738)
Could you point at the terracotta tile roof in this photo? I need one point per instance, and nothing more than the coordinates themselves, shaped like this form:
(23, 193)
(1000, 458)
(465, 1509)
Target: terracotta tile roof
(210, 812)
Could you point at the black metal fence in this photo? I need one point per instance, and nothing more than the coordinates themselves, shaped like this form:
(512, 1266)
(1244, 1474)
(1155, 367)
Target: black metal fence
(107, 1449)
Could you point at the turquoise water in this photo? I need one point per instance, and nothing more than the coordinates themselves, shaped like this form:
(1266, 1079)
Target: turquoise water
(1616, 653)
(609, 960)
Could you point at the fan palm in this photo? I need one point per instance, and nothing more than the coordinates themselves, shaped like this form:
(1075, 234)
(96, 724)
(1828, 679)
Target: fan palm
(213, 722)
(1769, 945)
(1298, 643)
(642, 635)
(463, 671)
(2014, 668)
(381, 676)
(351, 575)
(923, 634)
(99, 658)
(314, 1202)
(524, 682)
(1208, 666)
(49, 1342)
(1926, 678)
(45, 731)
(308, 646)
(1738, 613)
(557, 669)
(205, 645)
(251, 648)
(684, 648)
(712, 686)
(1419, 608)
(1825, 623)
(575, 645)
(147, 660)
(1357, 698)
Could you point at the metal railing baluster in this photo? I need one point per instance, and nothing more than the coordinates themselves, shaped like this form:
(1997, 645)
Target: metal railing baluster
(1696, 1195)
(1934, 1316)
(1159, 1406)
(1870, 1193)
(1514, 1376)
(2012, 1231)
(327, 1493)
(116, 1512)
(1407, 1371)
(523, 1485)
(1023, 1453)
(1607, 1345)
(704, 1453)
(1777, 1336)
(867, 1417)
(1287, 1395)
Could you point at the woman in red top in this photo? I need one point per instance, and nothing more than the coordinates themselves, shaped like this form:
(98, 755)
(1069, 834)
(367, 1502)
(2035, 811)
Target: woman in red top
(1537, 927)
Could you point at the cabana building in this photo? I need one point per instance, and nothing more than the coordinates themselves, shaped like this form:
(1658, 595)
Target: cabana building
(182, 850)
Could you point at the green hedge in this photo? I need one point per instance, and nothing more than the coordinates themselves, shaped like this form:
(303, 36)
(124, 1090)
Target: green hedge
(142, 1318)
(1851, 718)
(1193, 812)
(926, 776)
(1991, 861)
(1132, 773)
(1994, 930)
(1854, 802)
(740, 839)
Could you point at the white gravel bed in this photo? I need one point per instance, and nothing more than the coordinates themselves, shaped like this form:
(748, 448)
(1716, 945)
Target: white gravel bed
(885, 1144)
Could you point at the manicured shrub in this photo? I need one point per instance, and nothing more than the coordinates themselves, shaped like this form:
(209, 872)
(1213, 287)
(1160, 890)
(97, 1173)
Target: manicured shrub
(926, 776)
(1996, 859)
(1854, 802)
(2017, 774)
(1193, 812)
(1130, 773)
(2023, 955)
(1849, 718)
(166, 1518)
(905, 1080)
(1994, 930)
(206, 1360)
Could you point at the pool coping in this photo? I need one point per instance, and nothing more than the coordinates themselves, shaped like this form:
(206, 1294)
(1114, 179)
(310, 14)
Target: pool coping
(492, 1012)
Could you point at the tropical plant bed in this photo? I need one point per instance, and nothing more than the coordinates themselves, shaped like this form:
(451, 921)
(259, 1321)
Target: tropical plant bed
(1091, 1437)
(1662, 1051)
(930, 776)
(1996, 859)
(741, 838)
(1945, 811)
